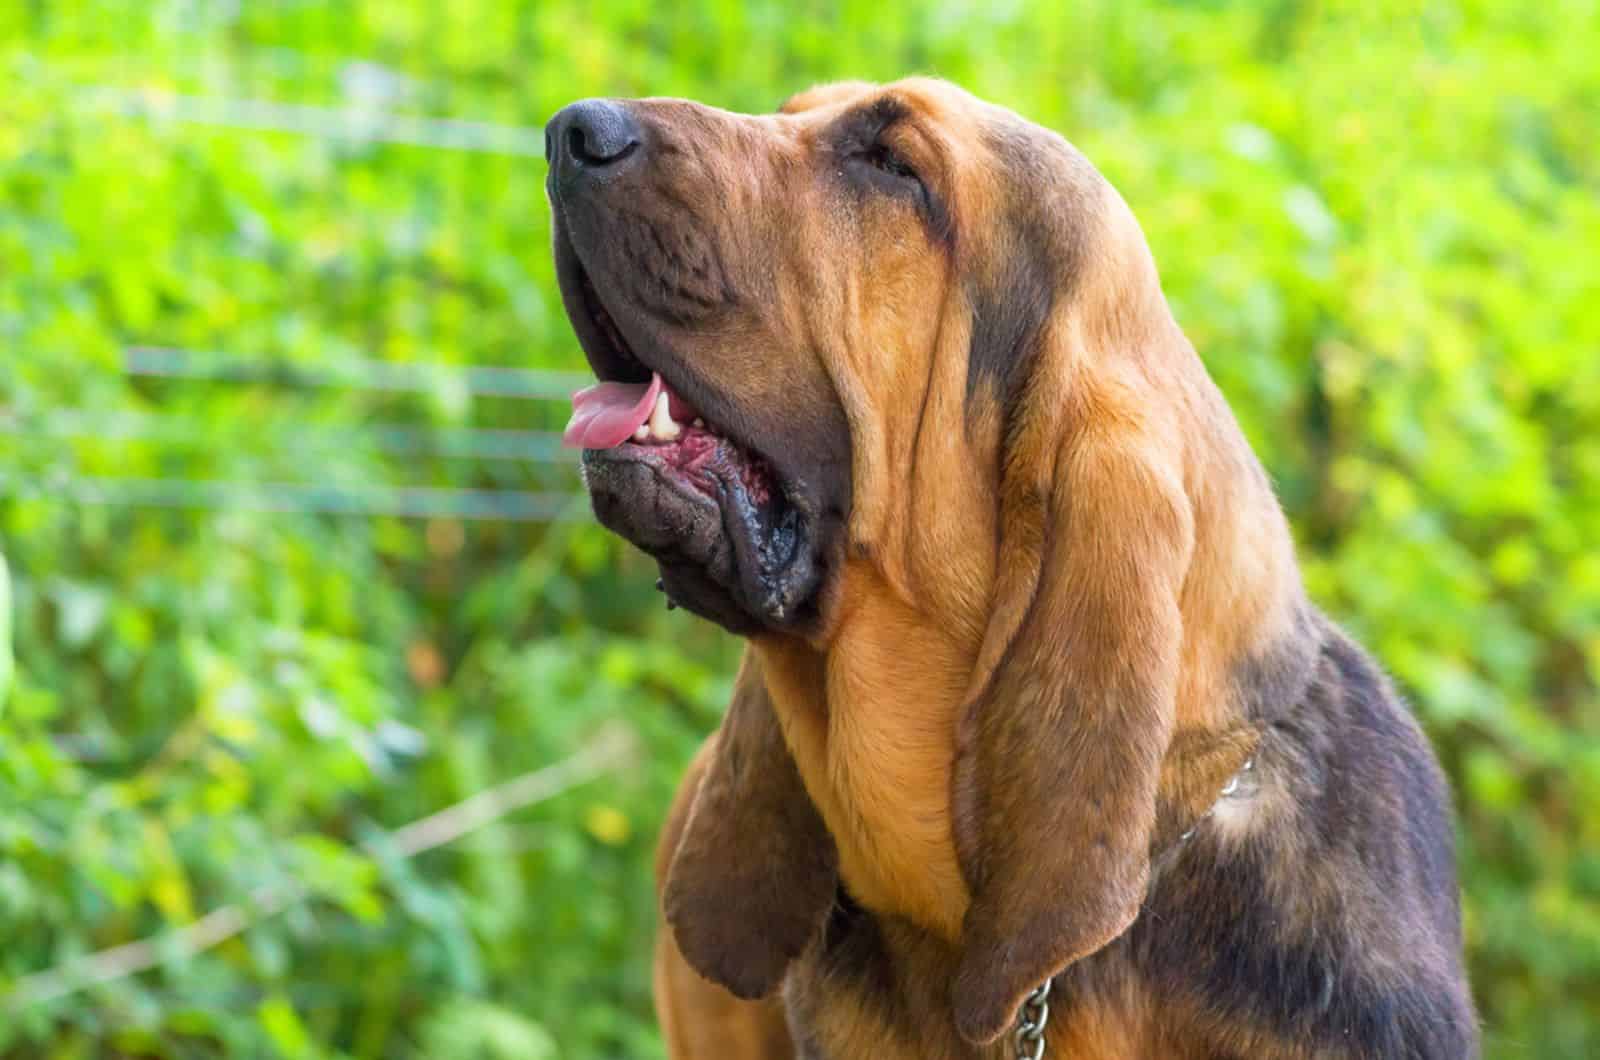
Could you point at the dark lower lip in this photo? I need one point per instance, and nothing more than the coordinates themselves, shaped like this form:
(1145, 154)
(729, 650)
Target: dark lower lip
(756, 549)
(679, 482)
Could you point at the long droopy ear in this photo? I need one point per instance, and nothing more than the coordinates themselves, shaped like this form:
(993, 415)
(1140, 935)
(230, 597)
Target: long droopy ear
(1072, 707)
(755, 871)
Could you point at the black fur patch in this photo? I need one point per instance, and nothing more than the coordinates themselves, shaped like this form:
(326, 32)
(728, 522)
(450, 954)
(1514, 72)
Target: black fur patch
(1038, 248)
(1007, 319)
(1271, 684)
(1226, 956)
(861, 127)
(1369, 803)
(1334, 932)
(852, 960)
(858, 138)
(853, 947)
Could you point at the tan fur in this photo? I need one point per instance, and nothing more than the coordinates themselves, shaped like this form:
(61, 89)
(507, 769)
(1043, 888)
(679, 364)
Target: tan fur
(928, 604)
(919, 596)
(1084, 564)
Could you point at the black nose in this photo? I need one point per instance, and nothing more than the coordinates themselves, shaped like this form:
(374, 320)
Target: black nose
(591, 137)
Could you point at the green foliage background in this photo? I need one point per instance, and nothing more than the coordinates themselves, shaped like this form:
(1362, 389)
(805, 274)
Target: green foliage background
(1379, 223)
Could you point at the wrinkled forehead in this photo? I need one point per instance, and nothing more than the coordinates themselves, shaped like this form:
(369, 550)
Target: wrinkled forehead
(971, 139)
(1005, 184)
(954, 119)
(982, 155)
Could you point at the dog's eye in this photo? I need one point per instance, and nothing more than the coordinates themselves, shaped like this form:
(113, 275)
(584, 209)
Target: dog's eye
(877, 168)
(883, 159)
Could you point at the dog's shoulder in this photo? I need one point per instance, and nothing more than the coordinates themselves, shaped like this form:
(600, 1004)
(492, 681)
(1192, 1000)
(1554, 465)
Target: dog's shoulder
(1326, 912)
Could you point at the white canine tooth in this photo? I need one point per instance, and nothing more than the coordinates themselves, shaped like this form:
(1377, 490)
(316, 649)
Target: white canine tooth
(642, 432)
(662, 424)
(698, 422)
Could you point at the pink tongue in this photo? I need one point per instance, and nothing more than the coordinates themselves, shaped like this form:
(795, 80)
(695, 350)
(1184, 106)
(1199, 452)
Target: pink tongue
(607, 414)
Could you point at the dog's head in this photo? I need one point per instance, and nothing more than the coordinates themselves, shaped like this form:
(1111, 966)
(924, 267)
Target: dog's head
(796, 291)
(895, 343)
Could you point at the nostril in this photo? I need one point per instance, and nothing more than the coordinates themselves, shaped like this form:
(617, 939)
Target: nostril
(578, 146)
(593, 150)
(592, 134)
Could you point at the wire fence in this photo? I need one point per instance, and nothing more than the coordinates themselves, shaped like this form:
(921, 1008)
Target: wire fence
(388, 439)
(405, 502)
(319, 487)
(397, 440)
(366, 124)
(365, 374)
(372, 90)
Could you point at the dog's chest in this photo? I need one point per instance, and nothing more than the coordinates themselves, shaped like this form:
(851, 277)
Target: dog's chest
(881, 988)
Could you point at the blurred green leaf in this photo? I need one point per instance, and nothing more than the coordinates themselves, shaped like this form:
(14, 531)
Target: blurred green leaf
(7, 665)
(1378, 227)
(476, 1030)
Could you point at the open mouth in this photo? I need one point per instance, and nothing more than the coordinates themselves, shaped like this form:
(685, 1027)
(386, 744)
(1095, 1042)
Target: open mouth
(729, 537)
(623, 412)
(653, 416)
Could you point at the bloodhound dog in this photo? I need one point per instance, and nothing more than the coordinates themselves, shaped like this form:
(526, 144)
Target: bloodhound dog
(1032, 693)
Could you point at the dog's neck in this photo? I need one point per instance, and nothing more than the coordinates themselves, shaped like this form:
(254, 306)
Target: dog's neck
(871, 724)
(871, 719)
(871, 712)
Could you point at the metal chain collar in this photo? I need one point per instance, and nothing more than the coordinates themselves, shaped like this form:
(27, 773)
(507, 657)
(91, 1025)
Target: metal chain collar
(1031, 1018)
(1035, 1011)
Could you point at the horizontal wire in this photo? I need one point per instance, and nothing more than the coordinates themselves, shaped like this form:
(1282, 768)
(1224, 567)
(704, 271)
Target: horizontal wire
(357, 124)
(476, 443)
(360, 373)
(406, 502)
